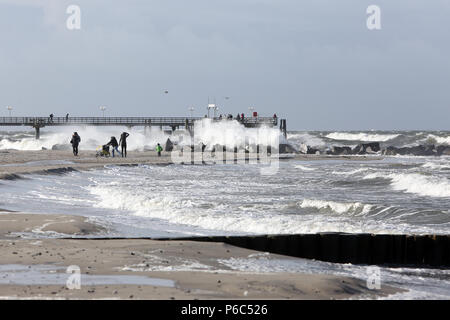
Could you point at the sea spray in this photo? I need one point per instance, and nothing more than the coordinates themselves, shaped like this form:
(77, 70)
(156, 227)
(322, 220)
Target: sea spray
(229, 133)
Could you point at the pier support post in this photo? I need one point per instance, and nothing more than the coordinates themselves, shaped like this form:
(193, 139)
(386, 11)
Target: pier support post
(38, 132)
(283, 127)
(189, 127)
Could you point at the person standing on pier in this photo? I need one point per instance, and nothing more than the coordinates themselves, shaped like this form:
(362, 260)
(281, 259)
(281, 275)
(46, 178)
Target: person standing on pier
(76, 139)
(114, 144)
(159, 149)
(123, 143)
(67, 117)
(51, 117)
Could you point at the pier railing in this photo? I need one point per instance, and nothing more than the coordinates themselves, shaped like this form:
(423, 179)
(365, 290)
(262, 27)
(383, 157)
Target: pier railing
(125, 121)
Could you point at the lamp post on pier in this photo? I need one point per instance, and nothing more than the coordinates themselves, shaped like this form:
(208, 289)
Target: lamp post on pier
(251, 110)
(103, 108)
(9, 109)
(191, 109)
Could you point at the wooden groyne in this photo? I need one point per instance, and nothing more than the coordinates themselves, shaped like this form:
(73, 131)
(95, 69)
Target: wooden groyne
(380, 249)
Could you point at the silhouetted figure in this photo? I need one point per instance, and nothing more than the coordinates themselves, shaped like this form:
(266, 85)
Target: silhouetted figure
(76, 139)
(114, 144)
(51, 117)
(169, 145)
(242, 116)
(159, 149)
(67, 117)
(123, 143)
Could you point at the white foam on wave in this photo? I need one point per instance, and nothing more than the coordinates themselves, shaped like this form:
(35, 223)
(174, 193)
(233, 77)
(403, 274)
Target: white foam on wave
(233, 133)
(226, 132)
(436, 165)
(362, 136)
(304, 168)
(297, 139)
(429, 186)
(222, 217)
(349, 173)
(91, 138)
(337, 207)
(433, 139)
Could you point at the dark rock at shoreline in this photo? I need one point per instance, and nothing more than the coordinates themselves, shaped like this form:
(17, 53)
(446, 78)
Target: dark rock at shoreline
(339, 150)
(443, 150)
(427, 150)
(286, 148)
(312, 150)
(61, 147)
(364, 148)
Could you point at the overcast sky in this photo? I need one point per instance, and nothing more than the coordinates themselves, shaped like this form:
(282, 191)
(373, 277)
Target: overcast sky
(311, 61)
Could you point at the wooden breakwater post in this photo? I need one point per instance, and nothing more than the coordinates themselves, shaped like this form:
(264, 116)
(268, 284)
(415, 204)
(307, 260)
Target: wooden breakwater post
(370, 249)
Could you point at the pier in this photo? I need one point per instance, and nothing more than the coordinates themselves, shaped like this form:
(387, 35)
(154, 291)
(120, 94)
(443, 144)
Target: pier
(163, 122)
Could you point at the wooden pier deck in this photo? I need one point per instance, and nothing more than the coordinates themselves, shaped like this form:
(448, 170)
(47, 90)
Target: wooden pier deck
(163, 122)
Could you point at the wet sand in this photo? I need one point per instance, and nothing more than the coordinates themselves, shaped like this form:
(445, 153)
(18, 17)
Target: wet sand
(195, 270)
(14, 162)
(22, 225)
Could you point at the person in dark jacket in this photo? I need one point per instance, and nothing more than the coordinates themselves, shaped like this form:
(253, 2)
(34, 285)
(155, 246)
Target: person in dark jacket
(114, 144)
(123, 143)
(76, 139)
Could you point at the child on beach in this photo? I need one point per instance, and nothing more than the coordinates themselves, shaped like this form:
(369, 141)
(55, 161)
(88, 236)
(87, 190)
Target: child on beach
(159, 149)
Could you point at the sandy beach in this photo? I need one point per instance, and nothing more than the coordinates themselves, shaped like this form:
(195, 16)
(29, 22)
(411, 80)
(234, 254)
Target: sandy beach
(14, 162)
(158, 269)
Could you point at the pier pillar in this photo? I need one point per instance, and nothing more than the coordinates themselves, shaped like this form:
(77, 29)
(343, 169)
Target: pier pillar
(189, 127)
(38, 132)
(283, 127)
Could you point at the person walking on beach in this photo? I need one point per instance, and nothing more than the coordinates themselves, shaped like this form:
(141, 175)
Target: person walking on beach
(76, 139)
(123, 143)
(114, 144)
(159, 149)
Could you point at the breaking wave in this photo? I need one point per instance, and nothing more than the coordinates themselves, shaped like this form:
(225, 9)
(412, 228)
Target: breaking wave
(428, 186)
(337, 207)
(362, 136)
(433, 139)
(298, 139)
(436, 166)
